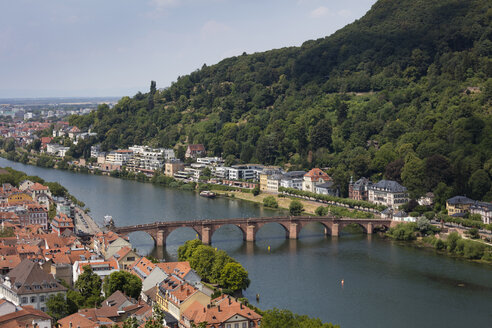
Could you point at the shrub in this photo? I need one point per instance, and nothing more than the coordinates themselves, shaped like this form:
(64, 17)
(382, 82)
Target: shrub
(295, 208)
(321, 211)
(270, 201)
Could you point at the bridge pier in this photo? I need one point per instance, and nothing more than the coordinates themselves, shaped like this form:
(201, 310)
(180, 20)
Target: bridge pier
(294, 230)
(334, 229)
(160, 239)
(369, 228)
(206, 235)
(251, 233)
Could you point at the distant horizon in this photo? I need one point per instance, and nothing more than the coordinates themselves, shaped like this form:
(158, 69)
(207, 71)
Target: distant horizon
(55, 48)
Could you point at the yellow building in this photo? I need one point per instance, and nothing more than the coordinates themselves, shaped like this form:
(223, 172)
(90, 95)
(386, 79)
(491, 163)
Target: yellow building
(18, 197)
(458, 205)
(263, 182)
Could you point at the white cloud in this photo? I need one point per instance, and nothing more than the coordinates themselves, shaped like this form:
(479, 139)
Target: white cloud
(320, 12)
(213, 28)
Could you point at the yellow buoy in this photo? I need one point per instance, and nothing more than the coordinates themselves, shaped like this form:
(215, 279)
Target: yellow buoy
(342, 282)
(268, 248)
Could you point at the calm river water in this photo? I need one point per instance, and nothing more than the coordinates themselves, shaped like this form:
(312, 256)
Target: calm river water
(386, 284)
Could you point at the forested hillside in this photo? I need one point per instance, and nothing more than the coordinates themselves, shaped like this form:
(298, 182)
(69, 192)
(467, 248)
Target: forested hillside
(404, 92)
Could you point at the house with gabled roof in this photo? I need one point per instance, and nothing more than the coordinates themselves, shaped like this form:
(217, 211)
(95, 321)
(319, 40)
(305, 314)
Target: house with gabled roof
(223, 311)
(313, 178)
(194, 151)
(25, 317)
(126, 257)
(28, 284)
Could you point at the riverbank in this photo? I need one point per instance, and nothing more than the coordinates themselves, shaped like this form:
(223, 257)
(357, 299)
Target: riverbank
(283, 202)
(443, 242)
(85, 223)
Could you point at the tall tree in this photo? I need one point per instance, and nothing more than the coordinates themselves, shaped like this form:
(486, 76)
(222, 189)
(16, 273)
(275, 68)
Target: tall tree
(89, 285)
(124, 281)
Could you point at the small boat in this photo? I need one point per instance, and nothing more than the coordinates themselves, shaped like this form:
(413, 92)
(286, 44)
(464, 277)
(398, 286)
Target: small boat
(208, 194)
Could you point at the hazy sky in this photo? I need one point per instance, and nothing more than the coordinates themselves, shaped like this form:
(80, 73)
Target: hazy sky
(115, 47)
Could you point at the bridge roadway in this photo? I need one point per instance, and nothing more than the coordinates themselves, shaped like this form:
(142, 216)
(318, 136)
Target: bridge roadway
(293, 225)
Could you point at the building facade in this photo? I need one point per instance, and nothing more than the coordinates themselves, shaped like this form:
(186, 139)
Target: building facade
(388, 193)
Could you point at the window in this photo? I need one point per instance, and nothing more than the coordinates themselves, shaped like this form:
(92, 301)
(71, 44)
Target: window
(130, 258)
(42, 298)
(24, 300)
(245, 325)
(236, 325)
(33, 299)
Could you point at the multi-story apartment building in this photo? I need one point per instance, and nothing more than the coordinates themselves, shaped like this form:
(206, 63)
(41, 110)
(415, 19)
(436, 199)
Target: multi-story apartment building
(28, 284)
(149, 159)
(484, 210)
(119, 157)
(388, 193)
(292, 179)
(172, 167)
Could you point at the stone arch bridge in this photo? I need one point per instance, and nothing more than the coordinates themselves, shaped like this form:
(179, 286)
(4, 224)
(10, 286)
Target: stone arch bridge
(159, 231)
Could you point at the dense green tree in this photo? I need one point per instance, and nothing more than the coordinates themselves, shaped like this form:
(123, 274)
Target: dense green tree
(413, 176)
(202, 260)
(89, 285)
(295, 207)
(356, 101)
(123, 281)
(234, 277)
(479, 184)
(57, 306)
(220, 260)
(276, 318)
(186, 251)
(270, 201)
(36, 145)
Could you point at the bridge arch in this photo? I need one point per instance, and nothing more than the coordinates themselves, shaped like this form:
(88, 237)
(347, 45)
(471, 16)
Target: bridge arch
(325, 225)
(170, 235)
(285, 226)
(343, 225)
(234, 226)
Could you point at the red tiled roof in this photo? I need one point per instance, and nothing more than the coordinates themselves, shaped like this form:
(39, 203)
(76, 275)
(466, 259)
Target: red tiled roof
(222, 309)
(197, 147)
(181, 269)
(38, 186)
(317, 174)
(143, 265)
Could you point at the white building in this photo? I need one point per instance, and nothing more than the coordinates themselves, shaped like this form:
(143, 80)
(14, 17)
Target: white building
(119, 157)
(388, 193)
(292, 179)
(484, 210)
(102, 268)
(149, 159)
(28, 284)
(210, 160)
(57, 150)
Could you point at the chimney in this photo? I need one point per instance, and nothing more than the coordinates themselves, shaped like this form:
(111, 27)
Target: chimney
(204, 310)
(241, 306)
(218, 308)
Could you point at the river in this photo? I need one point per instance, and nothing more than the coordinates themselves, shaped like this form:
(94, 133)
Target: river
(386, 284)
